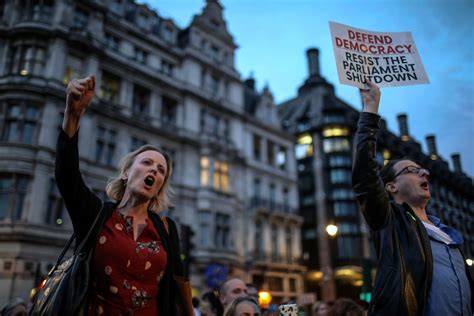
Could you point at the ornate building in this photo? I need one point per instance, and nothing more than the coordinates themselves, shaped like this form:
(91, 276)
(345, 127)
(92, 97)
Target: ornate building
(324, 126)
(235, 171)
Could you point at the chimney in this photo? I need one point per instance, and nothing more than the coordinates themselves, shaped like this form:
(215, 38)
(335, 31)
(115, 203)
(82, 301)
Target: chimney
(250, 83)
(403, 126)
(457, 162)
(431, 142)
(313, 61)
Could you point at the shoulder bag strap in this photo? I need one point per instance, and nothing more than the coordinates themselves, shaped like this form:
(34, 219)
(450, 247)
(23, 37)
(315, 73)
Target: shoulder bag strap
(73, 236)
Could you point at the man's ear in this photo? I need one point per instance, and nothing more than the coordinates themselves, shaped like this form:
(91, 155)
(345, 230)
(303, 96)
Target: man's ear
(391, 187)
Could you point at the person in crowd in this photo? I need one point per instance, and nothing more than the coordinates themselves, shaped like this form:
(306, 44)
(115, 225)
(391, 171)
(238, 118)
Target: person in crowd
(319, 308)
(345, 307)
(420, 266)
(196, 304)
(252, 291)
(15, 307)
(136, 265)
(230, 290)
(242, 306)
(210, 305)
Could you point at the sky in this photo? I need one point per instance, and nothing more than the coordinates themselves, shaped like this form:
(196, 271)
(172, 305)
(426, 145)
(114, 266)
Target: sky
(273, 36)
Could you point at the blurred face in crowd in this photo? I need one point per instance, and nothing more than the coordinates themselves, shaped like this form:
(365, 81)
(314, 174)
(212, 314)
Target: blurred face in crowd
(231, 290)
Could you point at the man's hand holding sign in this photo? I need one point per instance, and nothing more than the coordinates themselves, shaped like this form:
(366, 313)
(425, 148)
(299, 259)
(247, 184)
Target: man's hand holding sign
(387, 59)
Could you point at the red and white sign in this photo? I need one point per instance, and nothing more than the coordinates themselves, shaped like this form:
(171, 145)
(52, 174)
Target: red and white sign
(388, 59)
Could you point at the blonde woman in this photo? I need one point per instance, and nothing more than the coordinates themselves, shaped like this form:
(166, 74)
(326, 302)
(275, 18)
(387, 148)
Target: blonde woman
(136, 261)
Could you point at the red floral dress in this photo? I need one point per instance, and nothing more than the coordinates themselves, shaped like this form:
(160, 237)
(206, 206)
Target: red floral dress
(128, 272)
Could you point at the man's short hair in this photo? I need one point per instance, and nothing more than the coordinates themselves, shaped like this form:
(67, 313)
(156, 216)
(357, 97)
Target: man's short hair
(387, 173)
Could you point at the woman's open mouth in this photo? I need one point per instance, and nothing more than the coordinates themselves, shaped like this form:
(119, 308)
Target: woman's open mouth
(149, 181)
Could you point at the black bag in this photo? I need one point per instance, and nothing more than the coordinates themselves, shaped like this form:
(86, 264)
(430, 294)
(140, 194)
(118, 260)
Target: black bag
(67, 284)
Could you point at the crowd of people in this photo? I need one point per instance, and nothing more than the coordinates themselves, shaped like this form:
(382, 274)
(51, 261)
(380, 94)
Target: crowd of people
(136, 262)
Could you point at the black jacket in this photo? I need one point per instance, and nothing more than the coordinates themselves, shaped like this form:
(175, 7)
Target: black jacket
(83, 205)
(404, 258)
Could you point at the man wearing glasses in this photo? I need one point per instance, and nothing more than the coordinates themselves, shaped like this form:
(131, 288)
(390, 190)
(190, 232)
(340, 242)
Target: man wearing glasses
(420, 267)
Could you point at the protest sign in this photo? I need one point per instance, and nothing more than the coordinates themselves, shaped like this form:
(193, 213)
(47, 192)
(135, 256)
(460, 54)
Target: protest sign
(388, 59)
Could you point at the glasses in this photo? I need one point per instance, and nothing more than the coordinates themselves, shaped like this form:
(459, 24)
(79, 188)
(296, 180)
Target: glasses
(412, 169)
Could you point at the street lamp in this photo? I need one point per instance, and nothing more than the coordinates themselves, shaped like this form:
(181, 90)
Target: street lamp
(469, 262)
(331, 229)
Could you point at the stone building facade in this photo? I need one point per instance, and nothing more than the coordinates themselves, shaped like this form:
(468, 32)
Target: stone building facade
(174, 88)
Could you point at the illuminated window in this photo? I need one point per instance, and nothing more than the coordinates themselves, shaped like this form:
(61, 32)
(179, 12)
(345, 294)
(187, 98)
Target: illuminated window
(74, 66)
(336, 145)
(204, 171)
(304, 146)
(386, 156)
(27, 59)
(221, 176)
(335, 131)
(109, 87)
(281, 158)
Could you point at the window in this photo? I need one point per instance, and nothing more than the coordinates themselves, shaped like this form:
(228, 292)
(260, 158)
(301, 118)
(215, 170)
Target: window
(141, 99)
(20, 123)
(340, 161)
(304, 146)
(286, 200)
(256, 188)
(281, 158)
(348, 228)
(342, 194)
(214, 85)
(205, 228)
(112, 41)
(289, 248)
(272, 196)
(270, 153)
(109, 87)
(142, 21)
(348, 247)
(168, 33)
(80, 19)
(221, 176)
(336, 145)
(345, 208)
(219, 173)
(105, 145)
(55, 211)
(27, 59)
(168, 110)
(74, 66)
(36, 10)
(259, 239)
(275, 284)
(340, 176)
(335, 131)
(140, 56)
(215, 53)
(274, 242)
(136, 143)
(222, 237)
(13, 189)
(205, 172)
(257, 151)
(167, 68)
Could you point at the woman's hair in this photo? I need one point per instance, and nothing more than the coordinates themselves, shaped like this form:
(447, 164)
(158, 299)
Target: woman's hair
(115, 188)
(345, 307)
(231, 309)
(213, 300)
